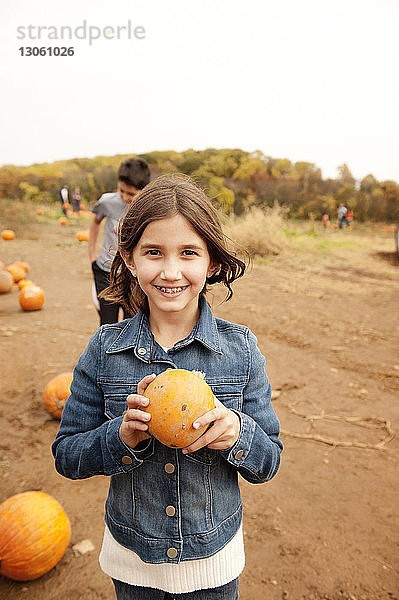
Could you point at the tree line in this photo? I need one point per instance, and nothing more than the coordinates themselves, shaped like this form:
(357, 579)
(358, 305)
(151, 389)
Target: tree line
(236, 181)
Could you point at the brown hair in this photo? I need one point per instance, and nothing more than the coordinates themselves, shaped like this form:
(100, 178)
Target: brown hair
(167, 196)
(135, 172)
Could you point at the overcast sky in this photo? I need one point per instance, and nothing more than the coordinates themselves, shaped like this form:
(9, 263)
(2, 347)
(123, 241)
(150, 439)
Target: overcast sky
(306, 80)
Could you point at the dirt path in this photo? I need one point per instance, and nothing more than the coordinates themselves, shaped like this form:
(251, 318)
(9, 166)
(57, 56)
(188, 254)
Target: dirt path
(326, 527)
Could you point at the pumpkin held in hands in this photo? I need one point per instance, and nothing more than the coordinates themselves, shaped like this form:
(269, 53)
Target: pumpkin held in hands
(34, 534)
(177, 398)
(56, 393)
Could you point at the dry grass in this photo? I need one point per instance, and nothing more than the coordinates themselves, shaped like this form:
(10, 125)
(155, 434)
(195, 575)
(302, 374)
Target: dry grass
(259, 232)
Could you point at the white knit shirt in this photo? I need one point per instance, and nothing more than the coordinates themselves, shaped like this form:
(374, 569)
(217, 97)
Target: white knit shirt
(187, 576)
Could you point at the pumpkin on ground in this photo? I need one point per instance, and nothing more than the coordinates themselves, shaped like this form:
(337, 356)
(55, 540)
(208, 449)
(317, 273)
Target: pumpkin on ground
(6, 281)
(82, 236)
(16, 271)
(56, 393)
(177, 398)
(31, 297)
(63, 221)
(34, 534)
(22, 264)
(24, 283)
(7, 234)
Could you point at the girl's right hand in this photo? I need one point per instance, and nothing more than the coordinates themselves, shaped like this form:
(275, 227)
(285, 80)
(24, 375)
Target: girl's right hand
(133, 429)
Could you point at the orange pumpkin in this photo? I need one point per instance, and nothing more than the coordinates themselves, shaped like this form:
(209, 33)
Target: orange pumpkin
(16, 271)
(6, 282)
(82, 236)
(39, 212)
(56, 393)
(81, 206)
(63, 221)
(8, 234)
(177, 398)
(31, 297)
(24, 283)
(22, 264)
(34, 534)
(66, 205)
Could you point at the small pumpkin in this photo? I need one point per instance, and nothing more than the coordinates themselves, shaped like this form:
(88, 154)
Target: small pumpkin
(8, 234)
(6, 282)
(56, 393)
(82, 236)
(22, 264)
(16, 271)
(31, 297)
(39, 212)
(34, 534)
(177, 398)
(66, 206)
(63, 221)
(81, 206)
(24, 282)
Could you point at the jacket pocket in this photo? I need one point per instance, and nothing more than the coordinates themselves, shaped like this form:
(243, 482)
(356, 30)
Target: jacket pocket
(204, 456)
(115, 399)
(230, 400)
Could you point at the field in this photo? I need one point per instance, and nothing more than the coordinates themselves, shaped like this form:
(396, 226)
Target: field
(325, 311)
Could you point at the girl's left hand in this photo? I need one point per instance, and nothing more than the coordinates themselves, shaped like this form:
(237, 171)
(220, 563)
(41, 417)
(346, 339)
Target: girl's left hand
(224, 432)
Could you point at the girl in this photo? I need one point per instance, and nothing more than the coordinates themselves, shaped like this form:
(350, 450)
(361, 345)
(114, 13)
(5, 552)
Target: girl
(173, 517)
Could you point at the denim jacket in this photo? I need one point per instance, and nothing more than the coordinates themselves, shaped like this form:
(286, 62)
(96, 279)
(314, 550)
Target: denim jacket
(162, 504)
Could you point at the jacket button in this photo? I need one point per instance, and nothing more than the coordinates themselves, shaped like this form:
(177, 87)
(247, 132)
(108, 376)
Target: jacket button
(171, 552)
(141, 351)
(169, 468)
(238, 454)
(170, 511)
(127, 460)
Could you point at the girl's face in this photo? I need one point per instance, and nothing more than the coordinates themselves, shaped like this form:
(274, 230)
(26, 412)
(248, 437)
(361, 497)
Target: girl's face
(171, 262)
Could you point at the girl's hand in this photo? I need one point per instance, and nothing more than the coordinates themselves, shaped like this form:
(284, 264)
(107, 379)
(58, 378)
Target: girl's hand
(133, 429)
(224, 432)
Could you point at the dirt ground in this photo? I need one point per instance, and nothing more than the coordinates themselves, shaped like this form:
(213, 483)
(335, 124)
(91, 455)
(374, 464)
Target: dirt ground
(326, 317)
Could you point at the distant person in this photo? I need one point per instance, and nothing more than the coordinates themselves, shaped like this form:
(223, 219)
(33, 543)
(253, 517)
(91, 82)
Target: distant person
(349, 218)
(325, 219)
(64, 199)
(133, 176)
(342, 210)
(76, 200)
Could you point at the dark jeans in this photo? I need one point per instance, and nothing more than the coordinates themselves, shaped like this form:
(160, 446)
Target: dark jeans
(109, 311)
(124, 591)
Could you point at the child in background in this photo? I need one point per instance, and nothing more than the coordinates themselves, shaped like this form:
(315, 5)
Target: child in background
(133, 175)
(349, 218)
(173, 517)
(76, 200)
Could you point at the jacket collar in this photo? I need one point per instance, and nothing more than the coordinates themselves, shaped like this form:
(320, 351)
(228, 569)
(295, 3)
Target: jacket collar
(136, 334)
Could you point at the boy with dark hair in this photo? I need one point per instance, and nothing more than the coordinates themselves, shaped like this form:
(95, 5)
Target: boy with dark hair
(133, 176)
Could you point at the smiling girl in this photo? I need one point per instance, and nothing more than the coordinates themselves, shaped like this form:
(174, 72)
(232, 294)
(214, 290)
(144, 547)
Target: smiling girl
(173, 517)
